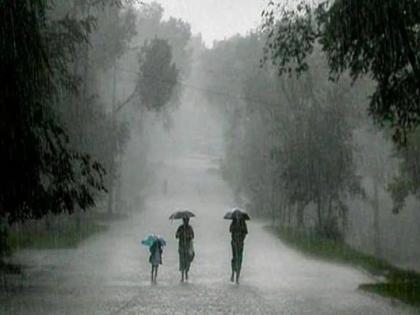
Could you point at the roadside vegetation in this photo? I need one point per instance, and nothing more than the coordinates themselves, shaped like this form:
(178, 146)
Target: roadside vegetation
(321, 130)
(52, 232)
(81, 81)
(64, 234)
(393, 282)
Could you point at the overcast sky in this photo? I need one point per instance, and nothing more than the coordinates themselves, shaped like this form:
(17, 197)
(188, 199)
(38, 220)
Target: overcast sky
(217, 19)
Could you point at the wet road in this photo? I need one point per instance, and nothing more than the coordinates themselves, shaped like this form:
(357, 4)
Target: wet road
(109, 273)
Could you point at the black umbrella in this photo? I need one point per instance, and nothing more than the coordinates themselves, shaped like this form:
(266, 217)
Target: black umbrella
(181, 215)
(237, 214)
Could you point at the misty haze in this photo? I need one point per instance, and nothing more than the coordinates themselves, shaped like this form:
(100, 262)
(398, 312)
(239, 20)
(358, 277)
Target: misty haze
(210, 157)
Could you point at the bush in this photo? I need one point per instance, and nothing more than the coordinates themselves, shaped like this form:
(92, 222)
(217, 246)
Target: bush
(4, 245)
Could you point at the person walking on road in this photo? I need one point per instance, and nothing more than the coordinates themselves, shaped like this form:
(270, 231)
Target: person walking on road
(238, 230)
(185, 235)
(155, 258)
(155, 244)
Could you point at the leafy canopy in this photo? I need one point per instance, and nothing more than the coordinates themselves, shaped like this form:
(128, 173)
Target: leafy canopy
(157, 76)
(378, 38)
(41, 173)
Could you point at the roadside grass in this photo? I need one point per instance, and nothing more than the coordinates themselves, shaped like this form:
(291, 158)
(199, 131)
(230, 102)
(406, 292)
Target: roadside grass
(7, 268)
(400, 284)
(54, 232)
(407, 292)
(66, 236)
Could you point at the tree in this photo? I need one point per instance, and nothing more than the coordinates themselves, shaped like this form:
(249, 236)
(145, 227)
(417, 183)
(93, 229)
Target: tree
(157, 76)
(408, 181)
(41, 172)
(380, 39)
(288, 139)
(177, 32)
(91, 128)
(115, 30)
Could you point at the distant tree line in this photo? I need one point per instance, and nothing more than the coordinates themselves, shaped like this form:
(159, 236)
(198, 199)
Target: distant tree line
(375, 39)
(290, 151)
(289, 143)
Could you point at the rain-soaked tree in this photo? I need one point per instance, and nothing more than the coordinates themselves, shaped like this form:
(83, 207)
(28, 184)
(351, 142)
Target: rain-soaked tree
(92, 128)
(151, 24)
(57, 137)
(316, 154)
(408, 181)
(378, 38)
(227, 67)
(289, 142)
(157, 76)
(41, 172)
(318, 166)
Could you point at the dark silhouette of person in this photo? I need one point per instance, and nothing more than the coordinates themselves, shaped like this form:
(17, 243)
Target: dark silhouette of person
(185, 235)
(238, 232)
(155, 258)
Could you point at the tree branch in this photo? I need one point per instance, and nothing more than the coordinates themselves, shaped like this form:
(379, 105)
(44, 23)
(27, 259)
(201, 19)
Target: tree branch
(128, 100)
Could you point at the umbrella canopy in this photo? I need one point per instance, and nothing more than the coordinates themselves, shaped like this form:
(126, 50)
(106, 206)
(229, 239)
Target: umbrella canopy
(181, 215)
(150, 239)
(237, 214)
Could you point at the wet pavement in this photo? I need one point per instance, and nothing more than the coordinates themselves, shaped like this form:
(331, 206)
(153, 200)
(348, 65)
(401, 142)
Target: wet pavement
(109, 273)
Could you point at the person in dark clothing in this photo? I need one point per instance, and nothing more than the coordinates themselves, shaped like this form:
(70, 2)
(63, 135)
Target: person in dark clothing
(185, 235)
(155, 258)
(238, 232)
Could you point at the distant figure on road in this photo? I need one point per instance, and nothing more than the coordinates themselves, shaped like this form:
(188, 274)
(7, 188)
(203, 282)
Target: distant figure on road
(155, 258)
(165, 187)
(238, 231)
(185, 235)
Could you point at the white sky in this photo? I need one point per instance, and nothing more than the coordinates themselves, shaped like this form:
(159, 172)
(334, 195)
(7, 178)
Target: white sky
(216, 19)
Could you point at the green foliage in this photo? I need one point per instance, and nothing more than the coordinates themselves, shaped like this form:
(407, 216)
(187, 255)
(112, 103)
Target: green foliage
(114, 32)
(4, 246)
(151, 24)
(69, 235)
(158, 75)
(408, 180)
(313, 244)
(236, 88)
(177, 33)
(405, 289)
(41, 173)
(300, 127)
(376, 38)
(291, 39)
(317, 162)
(400, 284)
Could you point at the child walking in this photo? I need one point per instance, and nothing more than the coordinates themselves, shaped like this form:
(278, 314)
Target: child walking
(155, 244)
(155, 258)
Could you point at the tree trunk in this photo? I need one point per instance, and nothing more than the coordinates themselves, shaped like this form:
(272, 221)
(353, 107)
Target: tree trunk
(79, 222)
(118, 188)
(111, 194)
(287, 215)
(273, 216)
(273, 203)
(376, 226)
(300, 216)
(48, 223)
(111, 171)
(319, 212)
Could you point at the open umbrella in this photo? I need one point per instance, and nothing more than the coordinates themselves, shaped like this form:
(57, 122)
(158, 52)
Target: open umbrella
(237, 214)
(150, 239)
(181, 215)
